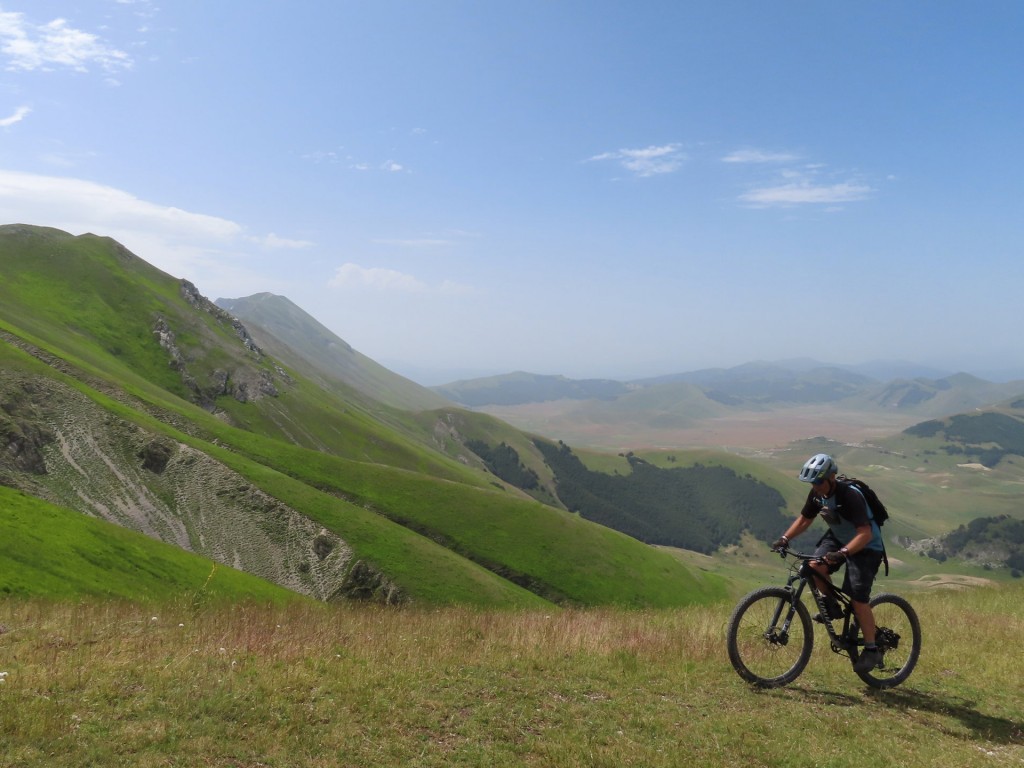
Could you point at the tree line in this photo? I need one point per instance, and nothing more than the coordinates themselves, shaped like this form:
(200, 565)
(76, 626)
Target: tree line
(700, 508)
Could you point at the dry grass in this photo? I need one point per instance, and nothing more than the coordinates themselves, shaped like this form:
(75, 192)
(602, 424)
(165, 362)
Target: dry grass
(116, 684)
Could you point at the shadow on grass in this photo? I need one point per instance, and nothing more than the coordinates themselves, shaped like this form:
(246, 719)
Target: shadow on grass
(999, 730)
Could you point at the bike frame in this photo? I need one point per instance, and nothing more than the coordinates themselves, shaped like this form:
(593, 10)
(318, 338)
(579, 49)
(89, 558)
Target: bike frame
(802, 576)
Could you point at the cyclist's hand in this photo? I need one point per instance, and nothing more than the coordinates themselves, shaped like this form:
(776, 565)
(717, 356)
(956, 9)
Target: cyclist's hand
(780, 544)
(835, 558)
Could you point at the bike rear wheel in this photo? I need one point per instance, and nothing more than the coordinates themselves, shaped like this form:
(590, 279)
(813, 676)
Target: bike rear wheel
(762, 648)
(898, 634)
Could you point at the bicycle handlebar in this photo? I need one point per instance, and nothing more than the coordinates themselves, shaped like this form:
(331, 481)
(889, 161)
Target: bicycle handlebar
(783, 551)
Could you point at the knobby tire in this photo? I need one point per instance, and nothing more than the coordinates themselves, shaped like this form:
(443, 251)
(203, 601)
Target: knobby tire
(893, 614)
(759, 650)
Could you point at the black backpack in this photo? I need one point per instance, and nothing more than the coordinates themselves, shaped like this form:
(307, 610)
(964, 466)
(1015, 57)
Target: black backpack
(878, 511)
(875, 506)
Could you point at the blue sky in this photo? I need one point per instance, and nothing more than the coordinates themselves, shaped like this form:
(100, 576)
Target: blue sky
(618, 189)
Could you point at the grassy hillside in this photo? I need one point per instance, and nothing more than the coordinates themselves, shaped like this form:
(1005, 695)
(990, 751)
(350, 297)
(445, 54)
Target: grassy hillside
(119, 684)
(452, 431)
(679, 409)
(294, 337)
(433, 536)
(129, 396)
(81, 291)
(699, 507)
(60, 554)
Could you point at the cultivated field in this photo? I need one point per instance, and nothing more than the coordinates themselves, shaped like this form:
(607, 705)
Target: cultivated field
(746, 431)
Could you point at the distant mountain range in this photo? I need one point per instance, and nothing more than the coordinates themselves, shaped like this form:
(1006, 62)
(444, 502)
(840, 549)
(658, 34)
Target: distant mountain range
(753, 386)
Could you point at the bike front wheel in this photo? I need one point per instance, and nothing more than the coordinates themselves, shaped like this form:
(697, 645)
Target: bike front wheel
(770, 637)
(898, 634)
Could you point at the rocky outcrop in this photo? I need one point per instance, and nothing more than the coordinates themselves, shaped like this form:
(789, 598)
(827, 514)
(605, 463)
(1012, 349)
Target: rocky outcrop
(59, 445)
(246, 381)
(23, 435)
(197, 301)
(365, 583)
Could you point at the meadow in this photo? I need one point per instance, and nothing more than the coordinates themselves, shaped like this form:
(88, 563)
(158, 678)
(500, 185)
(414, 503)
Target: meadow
(229, 685)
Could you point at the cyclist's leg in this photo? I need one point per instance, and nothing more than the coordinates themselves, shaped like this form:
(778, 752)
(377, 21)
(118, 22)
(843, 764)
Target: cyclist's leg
(861, 569)
(823, 572)
(865, 618)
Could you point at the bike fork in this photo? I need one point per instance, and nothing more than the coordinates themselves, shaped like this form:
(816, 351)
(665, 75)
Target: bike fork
(789, 606)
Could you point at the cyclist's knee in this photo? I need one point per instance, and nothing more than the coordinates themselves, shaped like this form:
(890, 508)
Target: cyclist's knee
(860, 595)
(820, 568)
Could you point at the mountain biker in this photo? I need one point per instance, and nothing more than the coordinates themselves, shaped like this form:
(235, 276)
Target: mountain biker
(852, 537)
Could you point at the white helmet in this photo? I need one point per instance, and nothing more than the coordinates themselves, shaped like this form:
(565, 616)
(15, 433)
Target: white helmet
(818, 468)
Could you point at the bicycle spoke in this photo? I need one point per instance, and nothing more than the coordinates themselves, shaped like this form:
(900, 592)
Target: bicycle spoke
(761, 648)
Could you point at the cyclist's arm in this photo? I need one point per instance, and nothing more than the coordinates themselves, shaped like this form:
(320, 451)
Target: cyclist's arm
(856, 511)
(861, 540)
(798, 526)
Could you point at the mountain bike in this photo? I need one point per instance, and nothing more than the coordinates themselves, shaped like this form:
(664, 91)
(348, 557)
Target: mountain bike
(770, 633)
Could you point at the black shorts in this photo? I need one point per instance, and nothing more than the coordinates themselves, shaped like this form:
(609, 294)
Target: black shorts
(861, 569)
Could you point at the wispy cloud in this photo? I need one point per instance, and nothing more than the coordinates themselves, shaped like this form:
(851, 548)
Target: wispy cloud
(321, 156)
(376, 278)
(806, 192)
(179, 242)
(759, 156)
(274, 242)
(94, 207)
(19, 114)
(444, 238)
(27, 46)
(421, 242)
(351, 276)
(790, 185)
(331, 157)
(648, 161)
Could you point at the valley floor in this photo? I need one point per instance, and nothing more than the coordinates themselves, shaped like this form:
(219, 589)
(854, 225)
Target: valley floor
(744, 432)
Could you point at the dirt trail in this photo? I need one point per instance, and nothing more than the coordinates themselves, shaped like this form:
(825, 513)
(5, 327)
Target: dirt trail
(952, 581)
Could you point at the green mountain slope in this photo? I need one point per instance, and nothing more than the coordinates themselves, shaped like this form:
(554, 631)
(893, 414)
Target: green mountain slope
(56, 553)
(127, 395)
(292, 336)
(700, 508)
